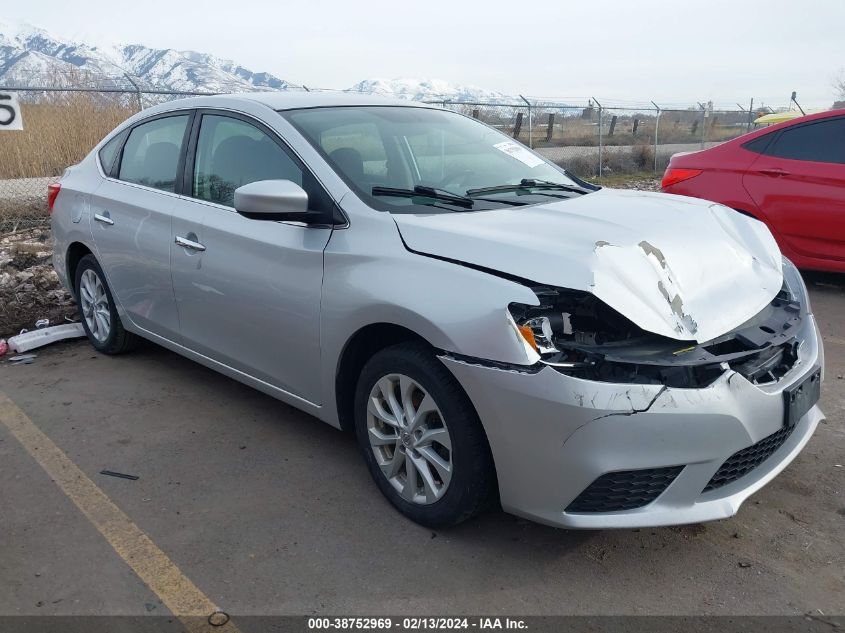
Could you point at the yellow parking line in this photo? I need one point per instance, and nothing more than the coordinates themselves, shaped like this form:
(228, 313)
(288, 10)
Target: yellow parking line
(152, 565)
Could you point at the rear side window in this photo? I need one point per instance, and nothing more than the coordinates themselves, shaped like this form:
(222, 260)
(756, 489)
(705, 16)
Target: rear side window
(108, 153)
(151, 154)
(823, 142)
(759, 144)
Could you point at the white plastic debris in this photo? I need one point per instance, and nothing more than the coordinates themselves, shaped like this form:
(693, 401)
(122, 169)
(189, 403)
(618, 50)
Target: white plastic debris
(40, 324)
(39, 338)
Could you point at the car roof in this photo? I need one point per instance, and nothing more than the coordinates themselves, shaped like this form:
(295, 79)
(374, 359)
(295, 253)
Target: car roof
(815, 116)
(769, 129)
(293, 99)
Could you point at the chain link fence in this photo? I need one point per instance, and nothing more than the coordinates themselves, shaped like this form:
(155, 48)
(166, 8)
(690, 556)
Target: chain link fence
(592, 140)
(61, 125)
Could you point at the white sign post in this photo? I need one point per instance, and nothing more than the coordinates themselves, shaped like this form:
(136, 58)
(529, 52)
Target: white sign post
(10, 112)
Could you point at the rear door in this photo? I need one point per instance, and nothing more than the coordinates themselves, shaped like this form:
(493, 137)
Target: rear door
(248, 291)
(131, 216)
(798, 182)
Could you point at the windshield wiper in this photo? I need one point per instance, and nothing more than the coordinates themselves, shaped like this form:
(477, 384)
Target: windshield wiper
(426, 192)
(527, 184)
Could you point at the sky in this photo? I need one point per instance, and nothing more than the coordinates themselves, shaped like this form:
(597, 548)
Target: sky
(641, 50)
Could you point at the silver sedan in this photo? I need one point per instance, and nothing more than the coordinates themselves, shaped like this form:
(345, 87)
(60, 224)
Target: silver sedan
(491, 328)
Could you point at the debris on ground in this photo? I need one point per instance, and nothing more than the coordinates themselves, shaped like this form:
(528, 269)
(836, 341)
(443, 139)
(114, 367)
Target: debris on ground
(111, 473)
(218, 618)
(4, 347)
(29, 287)
(24, 359)
(644, 184)
(38, 338)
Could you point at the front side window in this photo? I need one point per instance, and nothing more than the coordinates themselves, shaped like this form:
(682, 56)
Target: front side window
(151, 154)
(822, 141)
(232, 153)
(378, 150)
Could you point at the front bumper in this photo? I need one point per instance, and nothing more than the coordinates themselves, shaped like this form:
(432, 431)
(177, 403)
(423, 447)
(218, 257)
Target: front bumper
(553, 435)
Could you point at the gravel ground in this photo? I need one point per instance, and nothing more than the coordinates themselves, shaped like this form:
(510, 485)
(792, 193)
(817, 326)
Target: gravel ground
(29, 287)
(269, 511)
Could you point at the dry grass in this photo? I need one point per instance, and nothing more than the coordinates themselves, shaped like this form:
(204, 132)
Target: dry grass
(59, 130)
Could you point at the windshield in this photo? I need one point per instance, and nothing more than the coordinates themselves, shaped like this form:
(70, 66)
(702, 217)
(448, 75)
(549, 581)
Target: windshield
(424, 160)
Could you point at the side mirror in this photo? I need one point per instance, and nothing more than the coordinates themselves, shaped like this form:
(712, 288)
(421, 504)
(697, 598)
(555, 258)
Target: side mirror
(272, 200)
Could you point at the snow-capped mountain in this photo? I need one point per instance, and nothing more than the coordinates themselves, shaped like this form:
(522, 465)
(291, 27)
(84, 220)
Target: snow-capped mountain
(426, 90)
(30, 56)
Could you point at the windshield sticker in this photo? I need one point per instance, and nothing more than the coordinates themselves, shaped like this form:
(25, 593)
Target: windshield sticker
(517, 151)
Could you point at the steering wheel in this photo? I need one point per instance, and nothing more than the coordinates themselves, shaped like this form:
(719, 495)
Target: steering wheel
(457, 177)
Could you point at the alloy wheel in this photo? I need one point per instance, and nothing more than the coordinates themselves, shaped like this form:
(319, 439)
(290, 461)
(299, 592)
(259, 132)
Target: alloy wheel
(95, 305)
(409, 439)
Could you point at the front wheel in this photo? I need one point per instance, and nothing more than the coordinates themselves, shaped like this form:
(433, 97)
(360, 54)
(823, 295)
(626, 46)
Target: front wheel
(421, 438)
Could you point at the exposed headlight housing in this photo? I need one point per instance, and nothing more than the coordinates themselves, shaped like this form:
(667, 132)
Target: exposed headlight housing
(578, 334)
(794, 283)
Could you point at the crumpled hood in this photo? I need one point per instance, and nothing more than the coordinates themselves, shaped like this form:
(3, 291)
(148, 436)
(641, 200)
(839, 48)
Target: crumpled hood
(679, 267)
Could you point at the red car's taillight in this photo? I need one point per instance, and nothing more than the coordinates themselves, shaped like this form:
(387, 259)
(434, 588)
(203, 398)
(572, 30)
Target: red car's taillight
(674, 175)
(52, 194)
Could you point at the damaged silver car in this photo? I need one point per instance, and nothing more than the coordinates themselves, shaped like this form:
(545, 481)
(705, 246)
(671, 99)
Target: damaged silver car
(491, 328)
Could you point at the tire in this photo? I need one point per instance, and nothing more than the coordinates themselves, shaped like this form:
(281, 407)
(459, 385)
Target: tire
(436, 498)
(113, 339)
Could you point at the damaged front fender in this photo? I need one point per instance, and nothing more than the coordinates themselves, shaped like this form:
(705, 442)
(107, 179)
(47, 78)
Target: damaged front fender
(677, 267)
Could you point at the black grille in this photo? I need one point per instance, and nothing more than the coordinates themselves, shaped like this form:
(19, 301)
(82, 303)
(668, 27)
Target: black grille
(744, 461)
(624, 490)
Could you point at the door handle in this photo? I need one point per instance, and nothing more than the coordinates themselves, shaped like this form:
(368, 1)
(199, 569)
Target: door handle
(104, 218)
(184, 241)
(776, 172)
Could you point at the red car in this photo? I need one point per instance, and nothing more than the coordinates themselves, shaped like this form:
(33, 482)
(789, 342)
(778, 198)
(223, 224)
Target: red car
(790, 176)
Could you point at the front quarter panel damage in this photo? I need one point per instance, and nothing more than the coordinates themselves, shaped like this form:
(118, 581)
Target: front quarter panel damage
(552, 434)
(677, 267)
(370, 278)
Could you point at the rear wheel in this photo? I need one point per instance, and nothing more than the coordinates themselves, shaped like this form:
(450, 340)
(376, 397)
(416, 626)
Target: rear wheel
(421, 438)
(96, 307)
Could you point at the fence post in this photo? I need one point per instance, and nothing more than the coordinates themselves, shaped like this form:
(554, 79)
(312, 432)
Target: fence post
(550, 128)
(601, 139)
(137, 90)
(517, 126)
(656, 125)
(750, 115)
(530, 123)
